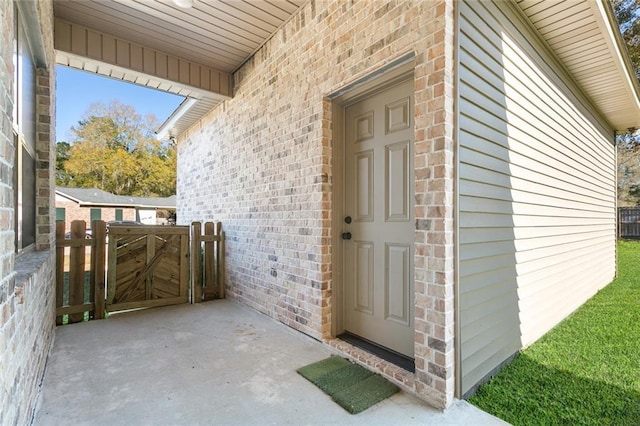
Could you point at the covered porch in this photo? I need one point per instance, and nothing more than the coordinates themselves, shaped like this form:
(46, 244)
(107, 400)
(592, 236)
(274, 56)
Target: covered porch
(217, 362)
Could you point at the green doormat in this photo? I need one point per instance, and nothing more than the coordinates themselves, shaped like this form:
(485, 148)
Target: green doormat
(353, 387)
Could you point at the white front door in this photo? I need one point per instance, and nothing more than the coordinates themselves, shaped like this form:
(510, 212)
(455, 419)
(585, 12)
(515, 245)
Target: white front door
(379, 228)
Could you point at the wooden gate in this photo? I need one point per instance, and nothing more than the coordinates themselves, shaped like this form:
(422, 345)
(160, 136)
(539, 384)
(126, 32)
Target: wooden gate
(148, 266)
(145, 266)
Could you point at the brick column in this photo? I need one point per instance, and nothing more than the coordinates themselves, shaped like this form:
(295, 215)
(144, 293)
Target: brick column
(7, 155)
(435, 203)
(45, 161)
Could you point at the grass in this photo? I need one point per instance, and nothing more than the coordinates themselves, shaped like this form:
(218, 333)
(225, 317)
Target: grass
(586, 370)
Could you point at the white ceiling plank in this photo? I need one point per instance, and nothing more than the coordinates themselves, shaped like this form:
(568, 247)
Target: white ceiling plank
(229, 22)
(567, 23)
(255, 10)
(587, 32)
(239, 18)
(174, 19)
(285, 5)
(275, 8)
(544, 9)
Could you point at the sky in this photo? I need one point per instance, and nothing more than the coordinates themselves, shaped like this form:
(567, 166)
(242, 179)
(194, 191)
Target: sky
(77, 90)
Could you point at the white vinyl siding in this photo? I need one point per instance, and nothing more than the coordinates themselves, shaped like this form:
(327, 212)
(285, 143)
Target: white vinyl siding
(536, 192)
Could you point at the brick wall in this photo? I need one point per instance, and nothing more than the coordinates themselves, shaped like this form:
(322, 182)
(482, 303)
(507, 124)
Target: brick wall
(27, 293)
(26, 336)
(6, 155)
(262, 164)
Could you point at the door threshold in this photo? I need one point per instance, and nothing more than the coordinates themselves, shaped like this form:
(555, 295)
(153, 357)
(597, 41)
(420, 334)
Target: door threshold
(387, 354)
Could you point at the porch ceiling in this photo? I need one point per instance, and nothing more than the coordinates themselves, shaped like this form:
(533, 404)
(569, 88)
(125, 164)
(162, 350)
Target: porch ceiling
(584, 36)
(216, 35)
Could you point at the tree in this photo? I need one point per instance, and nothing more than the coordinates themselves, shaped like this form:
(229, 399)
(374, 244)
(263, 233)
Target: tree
(115, 149)
(627, 13)
(628, 144)
(62, 155)
(628, 150)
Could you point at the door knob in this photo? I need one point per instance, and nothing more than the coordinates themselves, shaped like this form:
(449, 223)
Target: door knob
(346, 235)
(347, 220)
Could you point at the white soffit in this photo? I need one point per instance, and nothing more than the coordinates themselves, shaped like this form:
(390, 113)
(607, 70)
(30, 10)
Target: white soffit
(584, 37)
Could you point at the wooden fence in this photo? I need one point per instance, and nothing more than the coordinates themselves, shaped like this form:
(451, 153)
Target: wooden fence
(142, 266)
(207, 261)
(80, 287)
(628, 222)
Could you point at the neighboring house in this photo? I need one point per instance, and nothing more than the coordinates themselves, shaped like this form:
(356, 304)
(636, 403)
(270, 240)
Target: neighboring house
(437, 177)
(91, 204)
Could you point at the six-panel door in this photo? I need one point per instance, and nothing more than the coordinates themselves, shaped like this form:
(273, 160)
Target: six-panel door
(379, 198)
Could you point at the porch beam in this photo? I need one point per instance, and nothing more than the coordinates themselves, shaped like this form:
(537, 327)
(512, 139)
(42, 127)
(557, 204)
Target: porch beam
(91, 50)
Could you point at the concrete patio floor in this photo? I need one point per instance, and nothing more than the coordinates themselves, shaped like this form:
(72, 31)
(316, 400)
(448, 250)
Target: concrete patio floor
(217, 363)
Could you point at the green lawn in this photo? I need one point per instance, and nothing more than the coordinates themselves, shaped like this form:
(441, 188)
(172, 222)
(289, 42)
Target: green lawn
(586, 371)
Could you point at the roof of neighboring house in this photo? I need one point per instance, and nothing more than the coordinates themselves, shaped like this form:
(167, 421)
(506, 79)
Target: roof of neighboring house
(98, 198)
